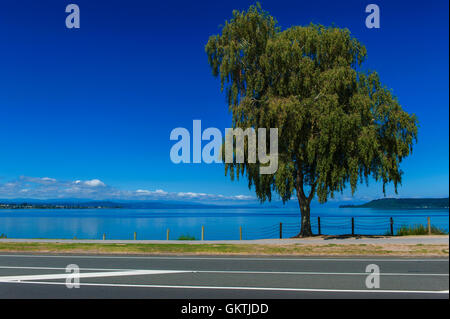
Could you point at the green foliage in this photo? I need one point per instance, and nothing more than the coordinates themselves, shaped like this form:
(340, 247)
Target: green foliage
(186, 237)
(3, 236)
(337, 124)
(419, 230)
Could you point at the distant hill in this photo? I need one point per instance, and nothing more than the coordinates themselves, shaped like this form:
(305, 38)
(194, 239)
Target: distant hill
(404, 203)
(90, 204)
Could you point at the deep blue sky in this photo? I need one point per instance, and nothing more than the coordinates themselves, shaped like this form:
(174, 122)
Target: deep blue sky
(99, 102)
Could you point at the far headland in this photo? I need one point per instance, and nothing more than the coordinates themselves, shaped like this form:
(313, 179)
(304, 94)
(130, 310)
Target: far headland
(404, 203)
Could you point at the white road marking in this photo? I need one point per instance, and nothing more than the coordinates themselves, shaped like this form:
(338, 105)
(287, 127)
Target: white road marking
(244, 288)
(233, 271)
(36, 279)
(229, 258)
(62, 268)
(88, 275)
(316, 273)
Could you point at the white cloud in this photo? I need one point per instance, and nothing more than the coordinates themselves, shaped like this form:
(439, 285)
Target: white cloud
(192, 195)
(49, 188)
(143, 191)
(94, 183)
(147, 192)
(188, 194)
(91, 183)
(37, 180)
(242, 197)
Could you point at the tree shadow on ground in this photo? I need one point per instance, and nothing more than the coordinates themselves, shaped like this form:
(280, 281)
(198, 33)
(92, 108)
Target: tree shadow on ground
(328, 237)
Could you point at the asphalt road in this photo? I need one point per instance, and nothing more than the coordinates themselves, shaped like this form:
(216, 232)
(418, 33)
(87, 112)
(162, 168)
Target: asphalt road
(41, 276)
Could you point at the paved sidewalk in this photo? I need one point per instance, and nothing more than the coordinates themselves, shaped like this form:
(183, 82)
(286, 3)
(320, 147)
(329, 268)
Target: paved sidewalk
(323, 240)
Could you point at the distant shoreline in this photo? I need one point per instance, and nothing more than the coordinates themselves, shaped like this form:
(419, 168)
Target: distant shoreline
(117, 205)
(404, 203)
(380, 204)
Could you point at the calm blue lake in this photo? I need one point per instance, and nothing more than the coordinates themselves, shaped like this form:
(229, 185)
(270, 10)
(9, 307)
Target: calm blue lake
(218, 223)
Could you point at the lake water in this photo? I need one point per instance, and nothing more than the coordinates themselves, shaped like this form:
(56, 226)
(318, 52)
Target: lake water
(218, 223)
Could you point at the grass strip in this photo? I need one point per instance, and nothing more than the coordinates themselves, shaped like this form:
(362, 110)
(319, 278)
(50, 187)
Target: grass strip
(419, 230)
(232, 249)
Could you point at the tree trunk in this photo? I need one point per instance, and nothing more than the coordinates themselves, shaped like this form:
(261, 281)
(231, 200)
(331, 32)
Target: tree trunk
(305, 219)
(304, 203)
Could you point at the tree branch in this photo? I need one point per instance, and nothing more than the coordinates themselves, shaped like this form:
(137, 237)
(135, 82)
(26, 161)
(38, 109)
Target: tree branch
(300, 192)
(312, 192)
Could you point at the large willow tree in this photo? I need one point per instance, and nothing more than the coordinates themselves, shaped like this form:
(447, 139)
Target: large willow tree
(337, 124)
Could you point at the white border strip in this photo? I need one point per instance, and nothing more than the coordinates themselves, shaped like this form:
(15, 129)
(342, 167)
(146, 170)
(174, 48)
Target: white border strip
(243, 288)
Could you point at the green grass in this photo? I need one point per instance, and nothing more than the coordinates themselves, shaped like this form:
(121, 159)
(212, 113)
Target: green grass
(419, 230)
(186, 237)
(228, 249)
